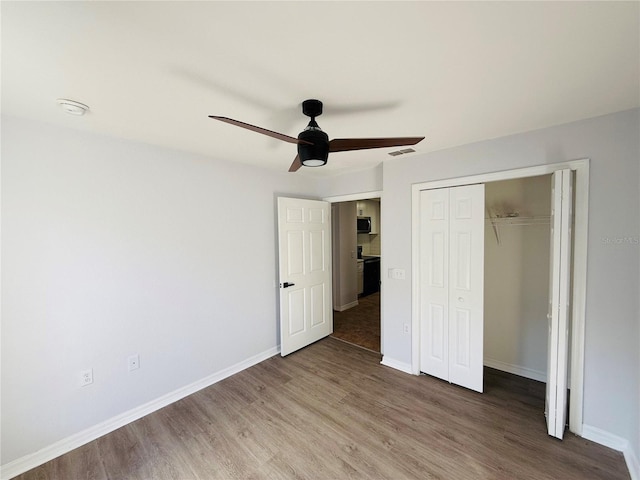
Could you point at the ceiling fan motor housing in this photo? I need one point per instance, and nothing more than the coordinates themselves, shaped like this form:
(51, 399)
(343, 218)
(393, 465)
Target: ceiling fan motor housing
(316, 153)
(312, 108)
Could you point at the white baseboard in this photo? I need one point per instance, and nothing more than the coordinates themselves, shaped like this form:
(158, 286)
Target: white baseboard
(620, 444)
(402, 366)
(65, 445)
(346, 306)
(632, 463)
(516, 370)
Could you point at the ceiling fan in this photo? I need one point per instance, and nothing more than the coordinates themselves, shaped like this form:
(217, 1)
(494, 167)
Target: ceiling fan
(314, 145)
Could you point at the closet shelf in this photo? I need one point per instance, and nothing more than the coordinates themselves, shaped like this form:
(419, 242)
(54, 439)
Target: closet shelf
(513, 221)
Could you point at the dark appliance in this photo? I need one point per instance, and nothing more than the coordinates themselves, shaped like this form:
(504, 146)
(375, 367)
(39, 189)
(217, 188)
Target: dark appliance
(371, 280)
(364, 224)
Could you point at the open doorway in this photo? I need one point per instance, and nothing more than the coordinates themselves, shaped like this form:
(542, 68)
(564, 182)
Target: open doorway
(516, 287)
(516, 280)
(356, 254)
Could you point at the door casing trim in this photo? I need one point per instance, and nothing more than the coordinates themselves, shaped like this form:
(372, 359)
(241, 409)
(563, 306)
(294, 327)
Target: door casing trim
(366, 196)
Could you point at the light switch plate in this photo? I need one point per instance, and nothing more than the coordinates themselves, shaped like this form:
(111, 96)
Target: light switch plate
(397, 273)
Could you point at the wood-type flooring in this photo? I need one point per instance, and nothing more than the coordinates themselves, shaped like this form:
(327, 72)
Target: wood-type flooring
(360, 325)
(331, 411)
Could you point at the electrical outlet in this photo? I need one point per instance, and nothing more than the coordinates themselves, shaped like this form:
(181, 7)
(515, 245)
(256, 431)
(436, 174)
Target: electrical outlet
(133, 362)
(86, 377)
(406, 328)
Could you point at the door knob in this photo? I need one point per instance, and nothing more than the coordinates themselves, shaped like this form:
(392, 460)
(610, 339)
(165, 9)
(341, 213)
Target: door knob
(287, 284)
(461, 300)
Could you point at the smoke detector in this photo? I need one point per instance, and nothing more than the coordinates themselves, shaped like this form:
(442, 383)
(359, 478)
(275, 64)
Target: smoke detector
(72, 107)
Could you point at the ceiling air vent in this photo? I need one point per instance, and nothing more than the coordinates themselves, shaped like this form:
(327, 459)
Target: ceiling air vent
(395, 153)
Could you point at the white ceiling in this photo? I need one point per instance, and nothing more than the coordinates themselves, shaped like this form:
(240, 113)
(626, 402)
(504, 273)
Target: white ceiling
(455, 72)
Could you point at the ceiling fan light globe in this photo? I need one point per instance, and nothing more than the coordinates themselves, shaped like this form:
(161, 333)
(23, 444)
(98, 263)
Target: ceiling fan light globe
(313, 162)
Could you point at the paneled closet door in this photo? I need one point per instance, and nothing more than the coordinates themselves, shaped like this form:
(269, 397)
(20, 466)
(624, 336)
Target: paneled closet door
(434, 282)
(466, 286)
(452, 284)
(559, 302)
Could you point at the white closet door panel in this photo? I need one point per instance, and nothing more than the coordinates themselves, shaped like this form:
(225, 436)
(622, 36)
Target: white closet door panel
(559, 302)
(434, 268)
(466, 286)
(462, 260)
(461, 325)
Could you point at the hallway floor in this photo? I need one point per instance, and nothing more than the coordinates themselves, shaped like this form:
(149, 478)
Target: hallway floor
(360, 325)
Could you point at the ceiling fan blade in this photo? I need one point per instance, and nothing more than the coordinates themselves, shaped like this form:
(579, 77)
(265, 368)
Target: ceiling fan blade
(264, 131)
(344, 144)
(296, 164)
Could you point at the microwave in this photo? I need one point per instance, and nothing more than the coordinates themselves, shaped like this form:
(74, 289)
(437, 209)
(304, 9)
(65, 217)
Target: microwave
(364, 224)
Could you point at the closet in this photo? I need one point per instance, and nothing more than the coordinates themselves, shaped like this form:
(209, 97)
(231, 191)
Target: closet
(498, 294)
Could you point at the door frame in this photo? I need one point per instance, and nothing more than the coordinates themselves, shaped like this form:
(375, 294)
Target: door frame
(578, 267)
(366, 196)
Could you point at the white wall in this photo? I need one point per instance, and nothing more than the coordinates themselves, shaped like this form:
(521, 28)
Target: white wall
(345, 274)
(612, 372)
(363, 181)
(516, 280)
(111, 248)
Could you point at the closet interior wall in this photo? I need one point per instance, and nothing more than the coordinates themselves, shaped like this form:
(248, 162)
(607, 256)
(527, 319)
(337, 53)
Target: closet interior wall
(516, 283)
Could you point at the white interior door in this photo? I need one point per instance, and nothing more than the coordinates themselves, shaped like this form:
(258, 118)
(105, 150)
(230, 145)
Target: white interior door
(559, 302)
(304, 243)
(452, 284)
